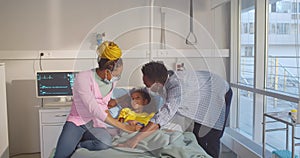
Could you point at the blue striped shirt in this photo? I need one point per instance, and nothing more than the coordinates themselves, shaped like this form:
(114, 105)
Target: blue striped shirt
(198, 95)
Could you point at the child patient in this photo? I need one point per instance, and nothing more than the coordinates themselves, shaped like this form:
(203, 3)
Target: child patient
(136, 115)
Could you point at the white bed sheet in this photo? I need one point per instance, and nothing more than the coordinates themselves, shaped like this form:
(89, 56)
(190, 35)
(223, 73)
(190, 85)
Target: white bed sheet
(160, 144)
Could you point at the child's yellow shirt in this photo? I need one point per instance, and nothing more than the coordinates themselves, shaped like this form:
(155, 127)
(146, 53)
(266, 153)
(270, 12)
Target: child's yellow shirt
(127, 114)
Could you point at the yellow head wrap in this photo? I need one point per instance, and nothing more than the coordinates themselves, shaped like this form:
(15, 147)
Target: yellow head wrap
(109, 50)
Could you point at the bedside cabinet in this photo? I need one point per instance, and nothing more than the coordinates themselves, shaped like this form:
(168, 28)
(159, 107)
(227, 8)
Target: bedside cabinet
(51, 124)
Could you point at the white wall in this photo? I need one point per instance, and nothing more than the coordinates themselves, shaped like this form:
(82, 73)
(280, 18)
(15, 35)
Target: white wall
(63, 25)
(3, 115)
(67, 29)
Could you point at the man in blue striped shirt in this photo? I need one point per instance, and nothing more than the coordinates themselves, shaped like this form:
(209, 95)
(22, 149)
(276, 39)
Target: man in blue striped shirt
(195, 96)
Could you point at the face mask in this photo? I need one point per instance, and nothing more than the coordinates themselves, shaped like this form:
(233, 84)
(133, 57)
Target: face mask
(135, 105)
(112, 80)
(106, 81)
(156, 87)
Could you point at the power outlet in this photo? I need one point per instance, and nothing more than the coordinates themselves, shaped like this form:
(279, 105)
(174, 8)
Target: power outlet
(45, 54)
(179, 66)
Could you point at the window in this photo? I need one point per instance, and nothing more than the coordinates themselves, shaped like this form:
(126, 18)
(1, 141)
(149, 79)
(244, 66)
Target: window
(247, 44)
(265, 73)
(246, 70)
(245, 28)
(294, 7)
(294, 29)
(282, 28)
(282, 70)
(273, 7)
(251, 27)
(249, 51)
(272, 29)
(283, 6)
(245, 112)
(277, 139)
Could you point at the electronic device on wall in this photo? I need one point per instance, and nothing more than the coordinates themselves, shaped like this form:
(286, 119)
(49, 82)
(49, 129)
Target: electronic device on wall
(57, 85)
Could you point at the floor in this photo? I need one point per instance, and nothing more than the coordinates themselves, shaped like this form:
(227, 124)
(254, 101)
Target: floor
(227, 153)
(35, 155)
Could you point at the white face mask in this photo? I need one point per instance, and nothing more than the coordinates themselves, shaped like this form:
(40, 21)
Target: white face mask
(156, 87)
(112, 80)
(135, 105)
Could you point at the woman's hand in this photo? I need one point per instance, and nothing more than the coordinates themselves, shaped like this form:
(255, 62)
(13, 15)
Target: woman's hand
(112, 103)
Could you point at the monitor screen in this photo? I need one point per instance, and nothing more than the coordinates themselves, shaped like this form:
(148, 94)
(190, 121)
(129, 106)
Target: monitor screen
(53, 84)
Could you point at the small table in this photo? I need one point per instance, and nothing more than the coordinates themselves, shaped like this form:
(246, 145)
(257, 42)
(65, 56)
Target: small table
(284, 118)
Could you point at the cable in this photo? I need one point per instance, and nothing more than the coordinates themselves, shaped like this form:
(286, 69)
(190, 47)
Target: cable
(40, 61)
(41, 68)
(42, 102)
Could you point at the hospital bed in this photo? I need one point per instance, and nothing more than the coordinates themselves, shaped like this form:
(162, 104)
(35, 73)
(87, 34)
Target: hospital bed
(161, 143)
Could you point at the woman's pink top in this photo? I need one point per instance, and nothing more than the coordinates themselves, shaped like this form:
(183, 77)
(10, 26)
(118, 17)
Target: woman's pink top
(88, 103)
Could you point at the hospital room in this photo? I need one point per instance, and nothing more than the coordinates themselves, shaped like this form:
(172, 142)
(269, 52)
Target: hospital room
(150, 78)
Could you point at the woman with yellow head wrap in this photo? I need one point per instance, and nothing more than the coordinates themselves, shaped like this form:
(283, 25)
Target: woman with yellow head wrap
(87, 122)
(109, 58)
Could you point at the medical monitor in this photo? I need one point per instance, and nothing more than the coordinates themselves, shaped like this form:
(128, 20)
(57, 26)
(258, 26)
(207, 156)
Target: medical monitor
(54, 84)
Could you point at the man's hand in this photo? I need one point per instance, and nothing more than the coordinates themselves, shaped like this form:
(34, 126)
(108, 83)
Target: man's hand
(112, 103)
(132, 122)
(144, 132)
(135, 123)
(131, 128)
(131, 143)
